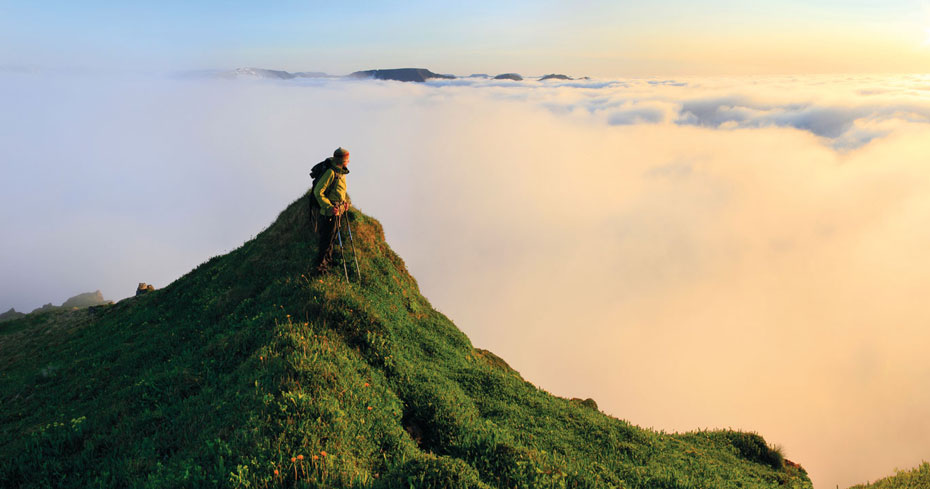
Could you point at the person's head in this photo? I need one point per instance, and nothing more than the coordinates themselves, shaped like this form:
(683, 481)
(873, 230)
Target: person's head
(341, 157)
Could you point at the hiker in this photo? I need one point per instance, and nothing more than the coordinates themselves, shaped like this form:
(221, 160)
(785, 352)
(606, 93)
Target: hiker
(329, 197)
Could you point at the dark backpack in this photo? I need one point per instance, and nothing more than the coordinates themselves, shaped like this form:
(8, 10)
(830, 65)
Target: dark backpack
(315, 173)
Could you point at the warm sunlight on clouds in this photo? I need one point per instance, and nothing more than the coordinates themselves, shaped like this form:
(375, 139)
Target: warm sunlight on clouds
(698, 252)
(809, 52)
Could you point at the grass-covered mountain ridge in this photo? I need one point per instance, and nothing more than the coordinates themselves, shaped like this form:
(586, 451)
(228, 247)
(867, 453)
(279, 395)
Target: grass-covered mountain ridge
(250, 371)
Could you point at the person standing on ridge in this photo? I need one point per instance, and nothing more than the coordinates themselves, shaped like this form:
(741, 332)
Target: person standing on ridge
(329, 197)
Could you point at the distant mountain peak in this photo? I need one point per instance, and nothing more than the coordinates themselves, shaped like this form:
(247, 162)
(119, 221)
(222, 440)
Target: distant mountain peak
(555, 76)
(401, 74)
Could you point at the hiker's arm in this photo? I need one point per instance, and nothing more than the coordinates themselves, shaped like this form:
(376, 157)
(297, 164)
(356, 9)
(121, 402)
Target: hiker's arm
(325, 205)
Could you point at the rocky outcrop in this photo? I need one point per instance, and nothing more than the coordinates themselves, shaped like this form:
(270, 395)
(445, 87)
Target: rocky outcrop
(509, 76)
(401, 74)
(80, 301)
(11, 315)
(144, 288)
(86, 299)
(556, 76)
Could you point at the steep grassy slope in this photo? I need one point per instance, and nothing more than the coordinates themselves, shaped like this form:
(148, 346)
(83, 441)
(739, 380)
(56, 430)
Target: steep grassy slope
(918, 478)
(251, 372)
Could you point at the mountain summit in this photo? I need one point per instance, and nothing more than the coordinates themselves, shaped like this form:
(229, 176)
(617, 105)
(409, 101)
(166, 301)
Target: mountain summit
(249, 371)
(401, 74)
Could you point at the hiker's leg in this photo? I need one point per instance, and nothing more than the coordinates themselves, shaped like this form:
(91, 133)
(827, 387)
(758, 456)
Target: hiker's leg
(327, 225)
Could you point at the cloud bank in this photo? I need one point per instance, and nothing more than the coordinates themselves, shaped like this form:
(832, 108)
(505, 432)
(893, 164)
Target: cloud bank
(745, 252)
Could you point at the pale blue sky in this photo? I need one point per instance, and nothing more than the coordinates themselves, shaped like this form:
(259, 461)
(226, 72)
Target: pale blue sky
(589, 37)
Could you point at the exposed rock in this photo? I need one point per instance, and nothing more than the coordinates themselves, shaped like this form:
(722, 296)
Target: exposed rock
(479, 75)
(79, 301)
(401, 74)
(509, 76)
(144, 288)
(11, 315)
(86, 299)
(556, 76)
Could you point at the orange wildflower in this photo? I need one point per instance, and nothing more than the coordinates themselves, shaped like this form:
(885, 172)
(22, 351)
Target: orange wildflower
(300, 457)
(315, 457)
(322, 453)
(275, 471)
(367, 384)
(293, 459)
(369, 408)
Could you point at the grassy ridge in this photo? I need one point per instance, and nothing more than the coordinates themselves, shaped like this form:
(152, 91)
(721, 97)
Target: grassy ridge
(918, 478)
(251, 372)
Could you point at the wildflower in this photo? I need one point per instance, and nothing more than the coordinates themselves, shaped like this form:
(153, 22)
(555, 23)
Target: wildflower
(288, 315)
(306, 324)
(260, 357)
(275, 471)
(293, 459)
(315, 457)
(300, 457)
(369, 408)
(322, 453)
(367, 384)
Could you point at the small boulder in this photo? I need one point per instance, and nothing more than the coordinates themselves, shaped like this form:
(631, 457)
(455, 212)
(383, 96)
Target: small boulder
(144, 288)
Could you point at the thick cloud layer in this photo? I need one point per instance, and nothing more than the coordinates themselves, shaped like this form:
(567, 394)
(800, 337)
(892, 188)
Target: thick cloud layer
(746, 252)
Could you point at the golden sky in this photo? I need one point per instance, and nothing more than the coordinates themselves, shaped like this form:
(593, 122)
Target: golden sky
(592, 37)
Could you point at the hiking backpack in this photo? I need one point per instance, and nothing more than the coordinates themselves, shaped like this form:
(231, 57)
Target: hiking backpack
(315, 173)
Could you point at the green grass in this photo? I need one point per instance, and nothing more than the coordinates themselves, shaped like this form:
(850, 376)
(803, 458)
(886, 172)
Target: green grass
(250, 364)
(918, 478)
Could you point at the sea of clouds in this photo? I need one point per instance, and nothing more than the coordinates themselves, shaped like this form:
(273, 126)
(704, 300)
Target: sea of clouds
(692, 253)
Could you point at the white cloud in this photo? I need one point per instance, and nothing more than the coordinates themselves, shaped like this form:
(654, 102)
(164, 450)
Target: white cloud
(697, 253)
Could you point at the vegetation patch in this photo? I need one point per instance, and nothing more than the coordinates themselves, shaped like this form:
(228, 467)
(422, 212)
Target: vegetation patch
(250, 371)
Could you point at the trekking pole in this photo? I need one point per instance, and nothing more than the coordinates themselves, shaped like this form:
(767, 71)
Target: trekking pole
(358, 272)
(342, 251)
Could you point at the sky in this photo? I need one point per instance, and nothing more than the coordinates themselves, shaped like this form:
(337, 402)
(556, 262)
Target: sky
(699, 236)
(593, 38)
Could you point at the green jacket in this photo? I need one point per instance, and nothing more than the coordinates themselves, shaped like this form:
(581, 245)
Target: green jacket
(330, 189)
